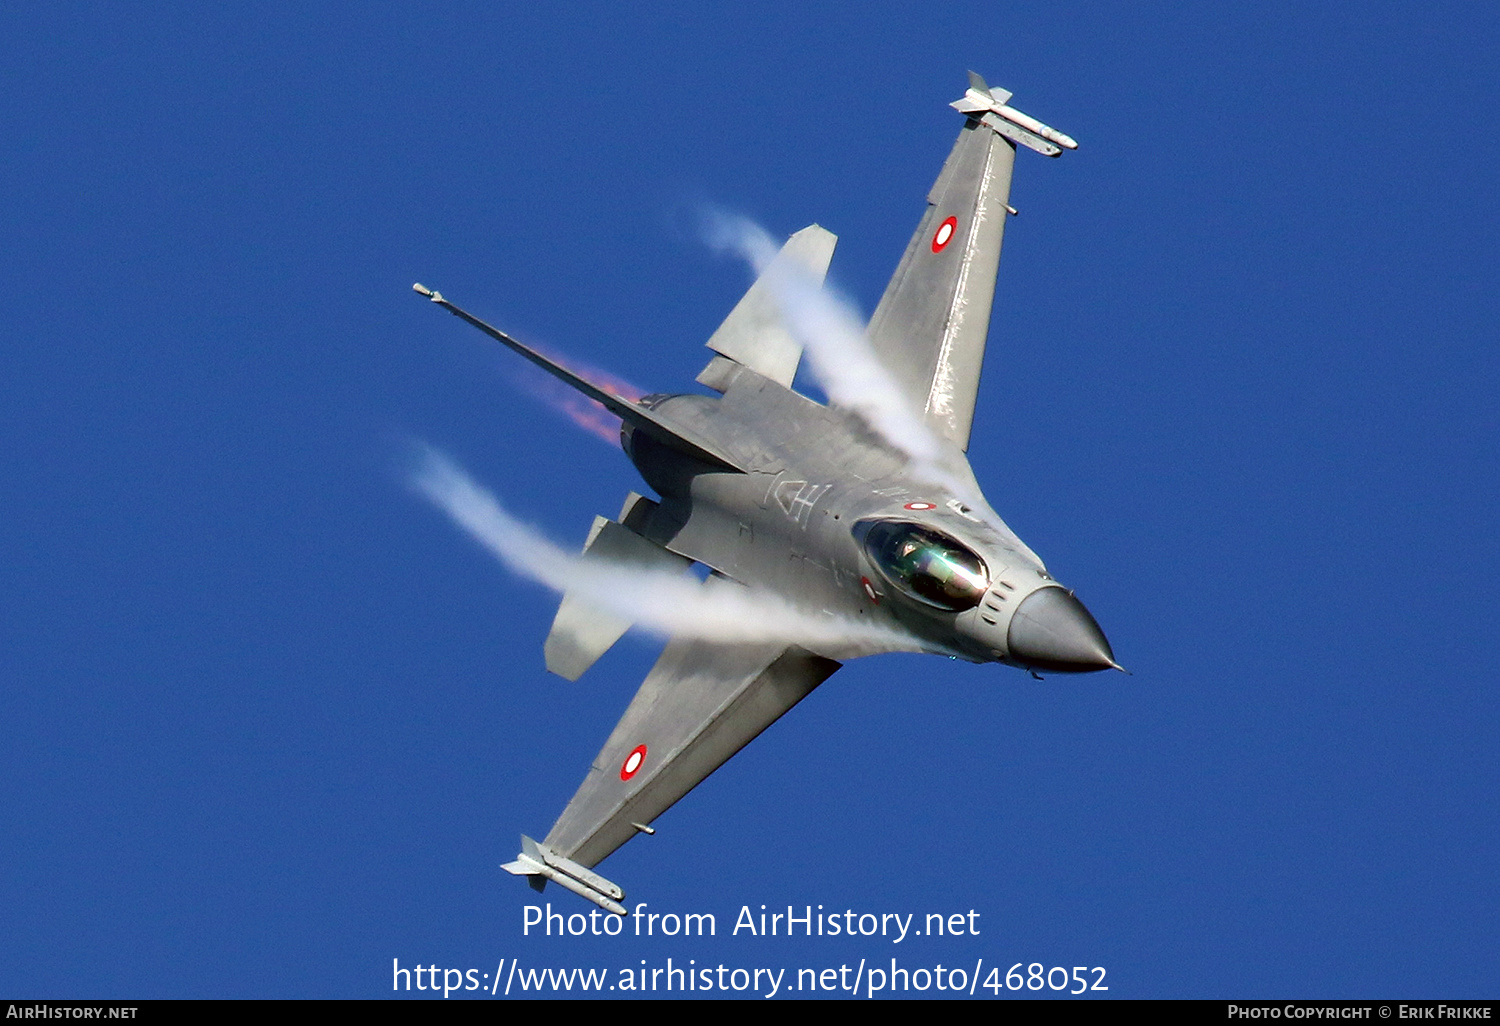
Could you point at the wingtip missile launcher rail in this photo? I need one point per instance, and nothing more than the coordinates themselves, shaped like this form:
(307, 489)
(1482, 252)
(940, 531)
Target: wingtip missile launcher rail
(989, 106)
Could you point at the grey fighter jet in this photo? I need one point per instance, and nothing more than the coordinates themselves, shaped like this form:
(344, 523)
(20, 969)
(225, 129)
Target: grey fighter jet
(775, 492)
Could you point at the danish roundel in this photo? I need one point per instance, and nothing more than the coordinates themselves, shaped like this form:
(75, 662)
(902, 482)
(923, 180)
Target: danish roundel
(944, 234)
(633, 762)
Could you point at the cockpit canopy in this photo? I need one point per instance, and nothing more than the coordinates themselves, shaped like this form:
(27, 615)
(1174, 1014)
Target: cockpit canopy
(926, 564)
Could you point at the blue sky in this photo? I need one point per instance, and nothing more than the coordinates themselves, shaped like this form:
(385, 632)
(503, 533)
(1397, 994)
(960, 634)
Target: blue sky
(269, 721)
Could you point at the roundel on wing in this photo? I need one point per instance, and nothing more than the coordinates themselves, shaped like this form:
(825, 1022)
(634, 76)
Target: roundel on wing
(921, 505)
(944, 234)
(633, 762)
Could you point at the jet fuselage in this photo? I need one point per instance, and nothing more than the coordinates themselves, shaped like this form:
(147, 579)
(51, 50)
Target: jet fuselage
(943, 568)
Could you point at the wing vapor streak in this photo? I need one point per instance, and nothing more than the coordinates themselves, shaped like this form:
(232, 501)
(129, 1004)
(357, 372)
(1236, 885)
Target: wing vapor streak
(667, 604)
(832, 334)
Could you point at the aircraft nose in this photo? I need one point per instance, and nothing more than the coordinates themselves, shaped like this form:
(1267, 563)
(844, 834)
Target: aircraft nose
(1051, 630)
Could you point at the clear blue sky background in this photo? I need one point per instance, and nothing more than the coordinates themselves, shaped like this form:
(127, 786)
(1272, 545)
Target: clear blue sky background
(267, 721)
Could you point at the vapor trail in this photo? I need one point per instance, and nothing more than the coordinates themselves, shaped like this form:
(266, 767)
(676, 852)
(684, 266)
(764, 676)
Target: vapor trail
(581, 410)
(832, 334)
(584, 412)
(665, 603)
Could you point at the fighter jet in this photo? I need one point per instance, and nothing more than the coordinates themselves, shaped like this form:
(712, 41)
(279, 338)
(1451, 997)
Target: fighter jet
(776, 492)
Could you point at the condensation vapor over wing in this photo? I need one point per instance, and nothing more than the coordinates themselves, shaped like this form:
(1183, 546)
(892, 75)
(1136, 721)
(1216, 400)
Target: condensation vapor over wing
(665, 603)
(832, 333)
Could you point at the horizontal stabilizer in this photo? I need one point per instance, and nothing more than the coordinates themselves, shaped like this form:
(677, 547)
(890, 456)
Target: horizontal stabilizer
(674, 436)
(537, 859)
(581, 631)
(754, 334)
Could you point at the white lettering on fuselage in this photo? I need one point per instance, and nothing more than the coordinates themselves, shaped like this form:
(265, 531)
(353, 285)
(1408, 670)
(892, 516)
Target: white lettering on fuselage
(797, 498)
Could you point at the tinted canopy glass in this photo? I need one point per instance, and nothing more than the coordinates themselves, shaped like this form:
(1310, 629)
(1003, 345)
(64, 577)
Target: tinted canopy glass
(927, 565)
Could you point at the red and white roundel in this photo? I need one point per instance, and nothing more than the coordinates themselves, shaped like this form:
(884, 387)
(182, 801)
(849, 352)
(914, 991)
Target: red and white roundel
(921, 505)
(870, 590)
(944, 234)
(633, 762)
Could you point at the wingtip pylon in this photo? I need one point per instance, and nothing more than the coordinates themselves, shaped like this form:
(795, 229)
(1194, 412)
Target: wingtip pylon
(990, 106)
(538, 860)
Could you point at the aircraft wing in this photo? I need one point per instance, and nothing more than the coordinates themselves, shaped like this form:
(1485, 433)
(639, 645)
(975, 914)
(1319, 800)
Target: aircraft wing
(701, 703)
(679, 437)
(930, 327)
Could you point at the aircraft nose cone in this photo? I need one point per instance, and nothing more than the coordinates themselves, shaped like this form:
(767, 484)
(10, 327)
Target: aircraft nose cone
(1051, 630)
